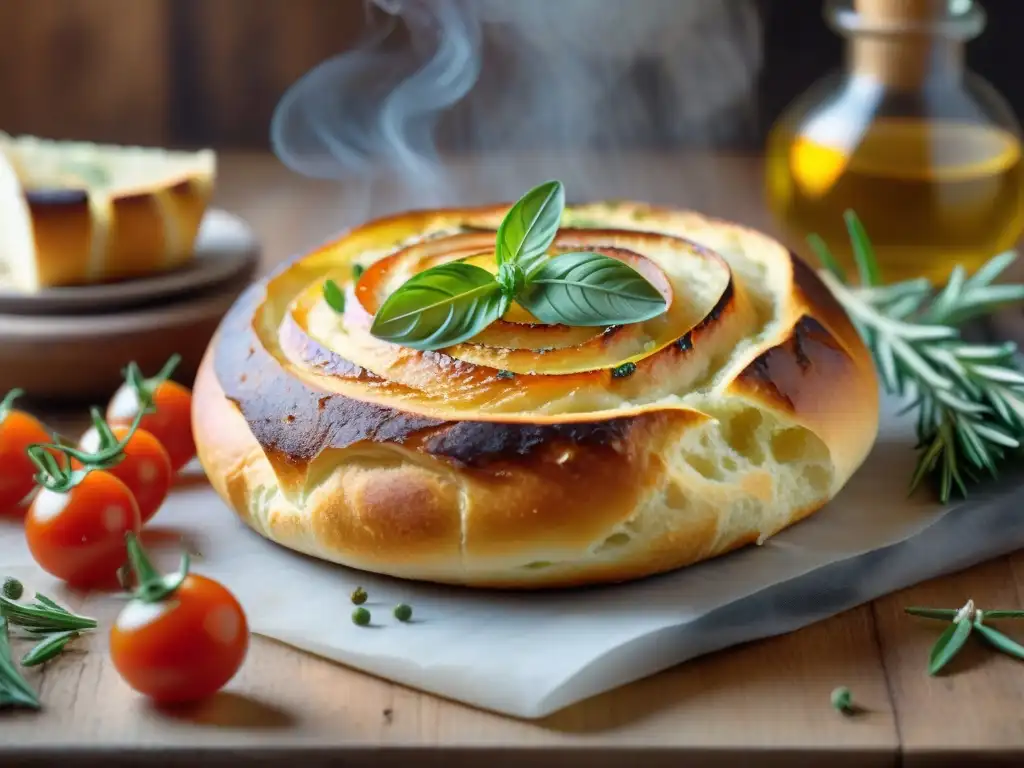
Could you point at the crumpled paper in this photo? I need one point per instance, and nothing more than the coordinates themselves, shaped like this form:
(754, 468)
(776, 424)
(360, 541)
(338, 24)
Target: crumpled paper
(528, 655)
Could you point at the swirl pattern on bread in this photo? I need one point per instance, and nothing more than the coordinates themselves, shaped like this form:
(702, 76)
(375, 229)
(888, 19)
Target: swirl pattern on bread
(536, 455)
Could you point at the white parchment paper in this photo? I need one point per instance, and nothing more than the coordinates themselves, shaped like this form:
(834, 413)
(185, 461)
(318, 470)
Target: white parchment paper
(530, 654)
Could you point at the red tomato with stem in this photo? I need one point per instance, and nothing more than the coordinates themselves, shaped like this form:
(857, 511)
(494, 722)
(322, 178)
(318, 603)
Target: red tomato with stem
(18, 430)
(78, 534)
(181, 638)
(145, 467)
(170, 422)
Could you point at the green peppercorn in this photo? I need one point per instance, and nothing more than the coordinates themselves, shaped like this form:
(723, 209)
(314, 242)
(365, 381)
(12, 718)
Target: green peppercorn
(403, 612)
(12, 589)
(842, 700)
(360, 617)
(359, 596)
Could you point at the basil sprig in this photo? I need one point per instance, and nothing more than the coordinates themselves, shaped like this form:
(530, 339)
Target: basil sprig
(451, 303)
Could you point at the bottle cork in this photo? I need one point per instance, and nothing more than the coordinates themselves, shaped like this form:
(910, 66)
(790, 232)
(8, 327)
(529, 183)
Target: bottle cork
(900, 57)
(900, 13)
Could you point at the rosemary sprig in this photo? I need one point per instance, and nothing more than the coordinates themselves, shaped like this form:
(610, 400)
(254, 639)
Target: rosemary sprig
(56, 624)
(43, 616)
(963, 623)
(969, 397)
(14, 689)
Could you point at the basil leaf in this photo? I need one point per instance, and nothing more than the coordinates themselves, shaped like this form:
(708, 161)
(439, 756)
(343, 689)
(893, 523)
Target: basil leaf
(948, 645)
(439, 307)
(333, 296)
(999, 641)
(530, 225)
(589, 289)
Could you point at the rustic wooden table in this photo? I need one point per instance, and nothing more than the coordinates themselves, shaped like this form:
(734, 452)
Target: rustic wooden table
(767, 701)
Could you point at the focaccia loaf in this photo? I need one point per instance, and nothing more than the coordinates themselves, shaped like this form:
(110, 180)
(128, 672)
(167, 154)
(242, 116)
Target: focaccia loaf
(537, 456)
(74, 213)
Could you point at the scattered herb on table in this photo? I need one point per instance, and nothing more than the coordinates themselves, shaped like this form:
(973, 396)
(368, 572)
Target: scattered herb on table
(453, 302)
(57, 625)
(43, 616)
(359, 596)
(361, 617)
(48, 648)
(963, 622)
(14, 689)
(969, 398)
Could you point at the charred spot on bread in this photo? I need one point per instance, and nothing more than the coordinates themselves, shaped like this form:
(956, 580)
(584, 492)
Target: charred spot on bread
(801, 370)
(479, 443)
(55, 197)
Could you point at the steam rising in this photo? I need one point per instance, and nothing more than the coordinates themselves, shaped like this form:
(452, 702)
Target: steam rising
(494, 77)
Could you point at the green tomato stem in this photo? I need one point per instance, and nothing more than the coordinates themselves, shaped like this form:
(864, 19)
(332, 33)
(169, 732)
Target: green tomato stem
(153, 587)
(61, 479)
(166, 372)
(7, 404)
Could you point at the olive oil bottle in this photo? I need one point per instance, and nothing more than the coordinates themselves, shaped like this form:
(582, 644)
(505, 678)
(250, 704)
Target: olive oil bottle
(927, 154)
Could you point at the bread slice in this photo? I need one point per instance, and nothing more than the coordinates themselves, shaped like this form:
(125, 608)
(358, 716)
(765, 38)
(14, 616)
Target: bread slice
(75, 213)
(527, 457)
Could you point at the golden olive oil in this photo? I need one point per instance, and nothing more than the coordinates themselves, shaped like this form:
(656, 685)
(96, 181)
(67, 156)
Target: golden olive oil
(931, 194)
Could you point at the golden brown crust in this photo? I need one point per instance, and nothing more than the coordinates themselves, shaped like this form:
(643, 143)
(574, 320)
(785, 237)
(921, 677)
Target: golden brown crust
(97, 213)
(136, 241)
(774, 430)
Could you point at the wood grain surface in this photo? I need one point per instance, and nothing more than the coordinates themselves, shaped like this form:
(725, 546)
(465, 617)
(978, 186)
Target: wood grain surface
(764, 703)
(93, 70)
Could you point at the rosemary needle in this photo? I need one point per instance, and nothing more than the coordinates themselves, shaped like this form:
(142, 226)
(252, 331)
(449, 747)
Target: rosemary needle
(48, 648)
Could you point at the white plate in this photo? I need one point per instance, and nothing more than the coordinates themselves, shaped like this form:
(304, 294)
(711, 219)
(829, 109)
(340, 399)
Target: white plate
(226, 250)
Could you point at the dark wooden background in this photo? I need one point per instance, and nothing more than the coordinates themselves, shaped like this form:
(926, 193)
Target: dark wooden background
(209, 72)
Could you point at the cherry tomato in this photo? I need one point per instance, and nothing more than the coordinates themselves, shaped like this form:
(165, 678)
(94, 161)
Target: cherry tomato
(18, 430)
(78, 536)
(184, 647)
(171, 424)
(145, 468)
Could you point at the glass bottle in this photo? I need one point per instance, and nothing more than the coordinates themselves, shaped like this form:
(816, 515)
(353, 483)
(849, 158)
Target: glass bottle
(926, 153)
